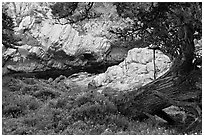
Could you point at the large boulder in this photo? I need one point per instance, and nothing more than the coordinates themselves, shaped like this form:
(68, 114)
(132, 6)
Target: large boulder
(136, 70)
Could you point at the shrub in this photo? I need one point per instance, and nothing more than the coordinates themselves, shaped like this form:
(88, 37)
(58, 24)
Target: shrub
(15, 106)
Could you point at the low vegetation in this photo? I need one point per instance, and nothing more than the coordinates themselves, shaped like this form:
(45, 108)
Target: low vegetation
(35, 107)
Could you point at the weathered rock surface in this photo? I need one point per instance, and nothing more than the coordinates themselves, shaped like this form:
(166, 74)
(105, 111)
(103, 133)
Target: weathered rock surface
(136, 70)
(57, 46)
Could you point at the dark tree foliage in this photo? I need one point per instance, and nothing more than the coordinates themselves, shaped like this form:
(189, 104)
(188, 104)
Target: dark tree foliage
(8, 39)
(73, 12)
(63, 10)
(163, 24)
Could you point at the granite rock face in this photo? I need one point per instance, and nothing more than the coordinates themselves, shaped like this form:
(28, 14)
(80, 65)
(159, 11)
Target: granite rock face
(56, 46)
(136, 70)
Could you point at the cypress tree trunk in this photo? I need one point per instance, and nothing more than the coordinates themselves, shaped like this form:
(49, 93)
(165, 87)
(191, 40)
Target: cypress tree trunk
(176, 87)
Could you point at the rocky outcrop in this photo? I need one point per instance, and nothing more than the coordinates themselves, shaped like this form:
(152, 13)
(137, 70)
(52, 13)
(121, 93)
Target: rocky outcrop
(56, 46)
(136, 70)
